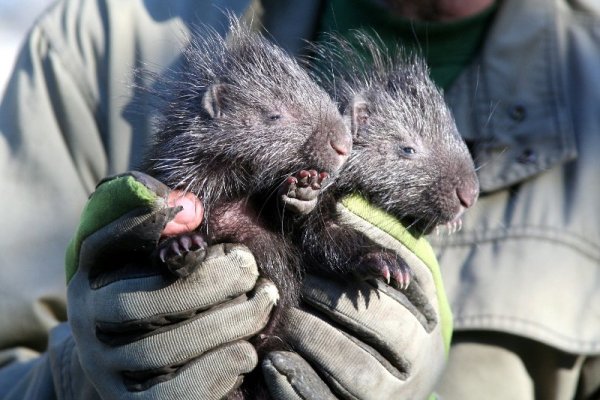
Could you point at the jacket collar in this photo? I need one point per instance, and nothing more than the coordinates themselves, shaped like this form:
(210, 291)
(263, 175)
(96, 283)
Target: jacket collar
(509, 104)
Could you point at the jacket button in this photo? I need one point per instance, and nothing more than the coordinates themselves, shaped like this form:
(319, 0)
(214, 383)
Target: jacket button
(518, 112)
(528, 156)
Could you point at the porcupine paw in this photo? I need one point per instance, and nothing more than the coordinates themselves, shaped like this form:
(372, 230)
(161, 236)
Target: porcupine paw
(387, 266)
(299, 192)
(182, 254)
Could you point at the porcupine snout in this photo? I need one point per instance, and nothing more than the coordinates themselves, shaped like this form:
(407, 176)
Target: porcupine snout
(340, 143)
(467, 193)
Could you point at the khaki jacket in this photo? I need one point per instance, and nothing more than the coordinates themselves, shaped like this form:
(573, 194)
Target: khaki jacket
(527, 260)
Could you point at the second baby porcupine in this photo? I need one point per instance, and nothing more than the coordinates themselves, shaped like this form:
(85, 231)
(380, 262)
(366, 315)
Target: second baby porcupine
(408, 158)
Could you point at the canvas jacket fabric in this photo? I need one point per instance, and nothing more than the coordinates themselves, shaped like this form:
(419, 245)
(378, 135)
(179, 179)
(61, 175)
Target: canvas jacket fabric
(527, 259)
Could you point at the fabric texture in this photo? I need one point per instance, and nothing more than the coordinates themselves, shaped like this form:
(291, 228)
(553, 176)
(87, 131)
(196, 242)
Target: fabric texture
(534, 370)
(387, 349)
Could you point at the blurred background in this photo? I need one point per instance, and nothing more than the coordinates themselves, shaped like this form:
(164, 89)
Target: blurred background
(16, 17)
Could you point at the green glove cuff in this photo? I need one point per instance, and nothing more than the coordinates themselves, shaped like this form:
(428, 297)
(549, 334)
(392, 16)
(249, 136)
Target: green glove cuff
(419, 246)
(113, 198)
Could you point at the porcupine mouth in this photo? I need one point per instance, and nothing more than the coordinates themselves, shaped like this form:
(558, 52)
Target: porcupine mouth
(452, 226)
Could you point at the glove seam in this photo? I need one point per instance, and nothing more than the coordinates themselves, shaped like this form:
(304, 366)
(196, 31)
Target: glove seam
(399, 371)
(157, 327)
(339, 388)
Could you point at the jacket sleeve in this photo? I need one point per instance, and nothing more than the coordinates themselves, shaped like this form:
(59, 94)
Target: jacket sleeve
(68, 119)
(50, 152)
(57, 374)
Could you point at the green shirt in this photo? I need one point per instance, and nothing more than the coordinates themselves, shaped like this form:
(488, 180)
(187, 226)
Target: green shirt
(447, 46)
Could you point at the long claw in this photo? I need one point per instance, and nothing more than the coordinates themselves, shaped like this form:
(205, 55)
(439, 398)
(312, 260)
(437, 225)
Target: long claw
(406, 279)
(185, 242)
(162, 254)
(198, 241)
(323, 176)
(386, 275)
(175, 247)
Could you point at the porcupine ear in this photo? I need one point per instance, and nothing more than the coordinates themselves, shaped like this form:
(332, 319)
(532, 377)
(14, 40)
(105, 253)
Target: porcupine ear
(358, 110)
(215, 99)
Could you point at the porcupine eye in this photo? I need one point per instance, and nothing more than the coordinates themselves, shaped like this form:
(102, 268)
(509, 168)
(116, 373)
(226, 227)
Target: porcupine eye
(274, 117)
(407, 151)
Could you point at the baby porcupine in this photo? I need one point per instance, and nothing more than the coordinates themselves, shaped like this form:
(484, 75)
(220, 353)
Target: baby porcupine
(408, 158)
(246, 129)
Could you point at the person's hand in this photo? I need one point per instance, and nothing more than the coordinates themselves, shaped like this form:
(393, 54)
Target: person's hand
(140, 332)
(367, 340)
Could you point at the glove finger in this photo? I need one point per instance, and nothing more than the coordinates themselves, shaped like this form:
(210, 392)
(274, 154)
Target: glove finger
(210, 376)
(354, 370)
(180, 342)
(126, 214)
(385, 322)
(227, 272)
(131, 238)
(290, 377)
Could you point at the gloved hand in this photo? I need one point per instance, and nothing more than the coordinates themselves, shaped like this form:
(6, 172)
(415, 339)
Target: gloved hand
(367, 340)
(139, 330)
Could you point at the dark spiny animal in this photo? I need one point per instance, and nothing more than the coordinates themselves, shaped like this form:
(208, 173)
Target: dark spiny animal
(248, 131)
(408, 158)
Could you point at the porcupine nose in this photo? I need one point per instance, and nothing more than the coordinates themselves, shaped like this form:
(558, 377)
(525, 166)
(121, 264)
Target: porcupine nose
(467, 194)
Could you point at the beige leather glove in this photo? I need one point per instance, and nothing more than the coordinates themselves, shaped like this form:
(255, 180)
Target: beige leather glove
(141, 333)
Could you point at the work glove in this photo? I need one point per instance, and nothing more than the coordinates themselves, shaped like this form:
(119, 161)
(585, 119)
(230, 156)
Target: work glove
(142, 333)
(367, 340)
